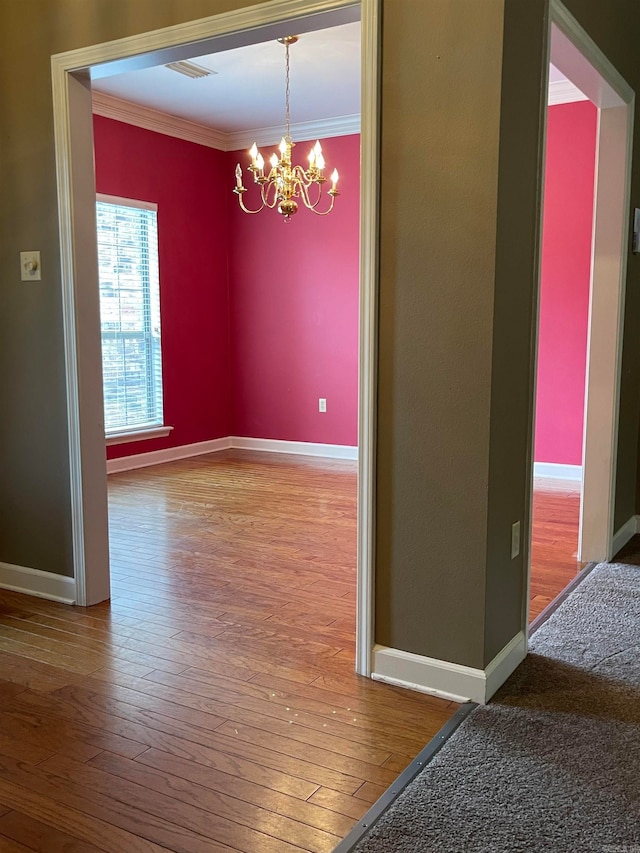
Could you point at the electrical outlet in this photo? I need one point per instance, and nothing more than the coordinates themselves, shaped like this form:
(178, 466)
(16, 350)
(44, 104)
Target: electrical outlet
(322, 404)
(515, 539)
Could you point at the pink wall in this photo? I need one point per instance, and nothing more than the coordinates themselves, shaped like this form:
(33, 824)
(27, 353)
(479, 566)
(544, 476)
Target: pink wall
(564, 295)
(259, 317)
(294, 311)
(182, 178)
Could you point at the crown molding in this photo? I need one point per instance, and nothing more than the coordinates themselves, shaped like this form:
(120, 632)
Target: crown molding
(302, 130)
(564, 92)
(150, 119)
(130, 113)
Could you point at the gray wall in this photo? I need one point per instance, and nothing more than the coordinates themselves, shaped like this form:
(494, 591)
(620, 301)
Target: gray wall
(460, 154)
(521, 145)
(440, 134)
(458, 296)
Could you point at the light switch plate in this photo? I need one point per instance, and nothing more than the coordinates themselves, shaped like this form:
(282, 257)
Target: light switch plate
(30, 266)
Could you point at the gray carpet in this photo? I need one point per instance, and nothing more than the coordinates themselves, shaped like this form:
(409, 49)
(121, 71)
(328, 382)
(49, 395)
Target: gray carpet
(553, 762)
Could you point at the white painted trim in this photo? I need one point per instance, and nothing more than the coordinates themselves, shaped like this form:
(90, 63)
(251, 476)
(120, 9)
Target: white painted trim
(557, 470)
(169, 454)
(127, 202)
(448, 680)
(267, 445)
(564, 92)
(299, 448)
(605, 332)
(170, 125)
(137, 435)
(68, 70)
(82, 343)
(505, 663)
(300, 131)
(62, 134)
(543, 117)
(410, 685)
(368, 347)
(35, 582)
(118, 109)
(601, 82)
(624, 534)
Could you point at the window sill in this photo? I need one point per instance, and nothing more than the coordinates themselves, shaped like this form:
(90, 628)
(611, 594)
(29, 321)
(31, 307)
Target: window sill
(137, 435)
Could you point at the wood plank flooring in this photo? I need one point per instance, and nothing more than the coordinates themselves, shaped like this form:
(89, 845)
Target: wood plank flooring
(554, 545)
(212, 704)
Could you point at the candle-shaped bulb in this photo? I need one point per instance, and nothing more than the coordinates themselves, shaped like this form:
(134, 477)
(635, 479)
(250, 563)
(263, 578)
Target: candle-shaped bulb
(334, 179)
(283, 146)
(320, 161)
(260, 161)
(253, 151)
(317, 147)
(274, 161)
(238, 176)
(312, 158)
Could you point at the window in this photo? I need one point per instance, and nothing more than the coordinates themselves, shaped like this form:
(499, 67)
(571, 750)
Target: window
(129, 315)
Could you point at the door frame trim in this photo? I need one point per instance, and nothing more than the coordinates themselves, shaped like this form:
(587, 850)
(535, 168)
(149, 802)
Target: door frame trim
(76, 189)
(589, 68)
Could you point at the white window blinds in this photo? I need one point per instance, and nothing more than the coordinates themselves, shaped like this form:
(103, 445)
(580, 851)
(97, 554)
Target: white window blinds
(129, 314)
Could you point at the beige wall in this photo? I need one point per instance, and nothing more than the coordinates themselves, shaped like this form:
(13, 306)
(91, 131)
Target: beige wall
(460, 154)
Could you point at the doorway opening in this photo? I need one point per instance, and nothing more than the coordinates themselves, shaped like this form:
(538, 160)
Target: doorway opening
(581, 306)
(72, 75)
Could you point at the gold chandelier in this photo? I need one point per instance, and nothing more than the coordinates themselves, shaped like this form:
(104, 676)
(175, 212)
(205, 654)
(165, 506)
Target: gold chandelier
(285, 182)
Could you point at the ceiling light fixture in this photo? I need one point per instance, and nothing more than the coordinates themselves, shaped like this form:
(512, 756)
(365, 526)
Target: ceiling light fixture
(285, 182)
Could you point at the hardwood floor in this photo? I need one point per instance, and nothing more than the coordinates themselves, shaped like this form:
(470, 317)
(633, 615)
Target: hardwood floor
(554, 545)
(212, 705)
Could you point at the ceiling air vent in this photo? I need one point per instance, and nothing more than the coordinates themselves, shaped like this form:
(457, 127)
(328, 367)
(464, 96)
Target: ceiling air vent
(190, 69)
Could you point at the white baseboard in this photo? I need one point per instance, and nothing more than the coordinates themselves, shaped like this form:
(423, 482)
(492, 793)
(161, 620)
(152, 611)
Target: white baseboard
(448, 680)
(504, 663)
(171, 454)
(41, 584)
(622, 536)
(556, 470)
(300, 448)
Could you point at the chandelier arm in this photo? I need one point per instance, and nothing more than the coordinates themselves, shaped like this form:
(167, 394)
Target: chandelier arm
(265, 189)
(246, 209)
(313, 206)
(303, 177)
(323, 212)
(306, 198)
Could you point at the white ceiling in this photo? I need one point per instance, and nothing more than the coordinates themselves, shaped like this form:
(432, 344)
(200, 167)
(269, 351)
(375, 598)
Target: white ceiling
(556, 76)
(561, 89)
(248, 89)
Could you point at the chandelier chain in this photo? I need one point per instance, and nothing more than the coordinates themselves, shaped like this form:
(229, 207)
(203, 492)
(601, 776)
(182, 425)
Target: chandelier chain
(287, 96)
